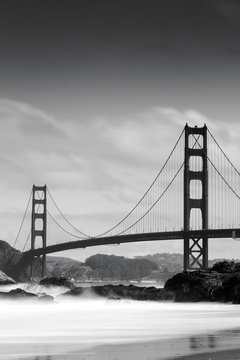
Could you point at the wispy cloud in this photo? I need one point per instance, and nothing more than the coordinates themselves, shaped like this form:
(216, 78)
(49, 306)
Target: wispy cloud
(28, 119)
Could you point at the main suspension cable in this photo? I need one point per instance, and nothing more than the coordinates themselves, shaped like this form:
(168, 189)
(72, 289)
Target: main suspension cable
(222, 177)
(40, 197)
(26, 241)
(24, 216)
(67, 232)
(230, 162)
(145, 194)
(79, 231)
(158, 199)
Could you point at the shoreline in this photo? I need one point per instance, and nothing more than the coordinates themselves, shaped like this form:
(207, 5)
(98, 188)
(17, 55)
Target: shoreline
(139, 351)
(232, 354)
(215, 346)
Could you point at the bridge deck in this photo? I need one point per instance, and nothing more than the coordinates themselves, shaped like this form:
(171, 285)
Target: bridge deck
(121, 239)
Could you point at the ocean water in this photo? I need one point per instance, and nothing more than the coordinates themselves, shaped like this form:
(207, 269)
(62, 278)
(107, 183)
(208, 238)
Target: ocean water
(92, 328)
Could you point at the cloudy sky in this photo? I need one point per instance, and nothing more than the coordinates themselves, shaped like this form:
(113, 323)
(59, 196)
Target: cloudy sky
(93, 95)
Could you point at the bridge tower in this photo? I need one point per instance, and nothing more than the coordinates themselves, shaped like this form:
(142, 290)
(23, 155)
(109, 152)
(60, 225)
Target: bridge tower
(39, 221)
(195, 248)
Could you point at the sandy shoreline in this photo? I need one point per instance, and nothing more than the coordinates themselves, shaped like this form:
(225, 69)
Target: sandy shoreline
(218, 346)
(139, 352)
(217, 355)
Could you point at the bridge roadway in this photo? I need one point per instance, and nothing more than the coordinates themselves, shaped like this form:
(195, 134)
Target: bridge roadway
(122, 239)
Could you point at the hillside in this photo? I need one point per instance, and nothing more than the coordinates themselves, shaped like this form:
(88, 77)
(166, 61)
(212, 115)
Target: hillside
(69, 268)
(97, 267)
(157, 267)
(56, 266)
(119, 268)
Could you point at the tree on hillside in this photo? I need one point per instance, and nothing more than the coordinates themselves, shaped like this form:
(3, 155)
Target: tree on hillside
(119, 267)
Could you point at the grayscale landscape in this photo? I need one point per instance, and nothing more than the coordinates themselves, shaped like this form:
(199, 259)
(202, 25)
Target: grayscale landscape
(119, 180)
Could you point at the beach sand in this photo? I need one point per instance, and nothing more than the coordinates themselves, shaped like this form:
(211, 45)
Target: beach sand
(219, 346)
(218, 355)
(140, 352)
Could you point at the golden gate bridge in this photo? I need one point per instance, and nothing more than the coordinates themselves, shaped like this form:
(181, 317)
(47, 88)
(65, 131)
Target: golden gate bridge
(194, 197)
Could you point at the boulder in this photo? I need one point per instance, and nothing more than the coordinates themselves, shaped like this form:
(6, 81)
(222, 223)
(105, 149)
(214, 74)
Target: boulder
(77, 291)
(229, 290)
(224, 267)
(46, 298)
(5, 280)
(220, 283)
(57, 281)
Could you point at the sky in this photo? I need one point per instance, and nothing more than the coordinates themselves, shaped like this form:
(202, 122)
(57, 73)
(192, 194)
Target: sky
(93, 95)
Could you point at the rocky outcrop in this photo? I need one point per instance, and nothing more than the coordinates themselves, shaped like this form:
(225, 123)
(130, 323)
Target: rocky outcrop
(124, 292)
(46, 298)
(225, 266)
(20, 294)
(220, 283)
(17, 294)
(8, 256)
(56, 266)
(5, 280)
(57, 281)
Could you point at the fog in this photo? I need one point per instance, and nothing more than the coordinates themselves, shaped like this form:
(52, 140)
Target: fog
(33, 328)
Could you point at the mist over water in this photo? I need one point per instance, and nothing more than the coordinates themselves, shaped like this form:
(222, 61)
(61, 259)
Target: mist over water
(74, 325)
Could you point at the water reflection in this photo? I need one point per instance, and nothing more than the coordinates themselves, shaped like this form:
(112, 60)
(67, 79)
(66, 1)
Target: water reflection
(208, 341)
(212, 341)
(178, 348)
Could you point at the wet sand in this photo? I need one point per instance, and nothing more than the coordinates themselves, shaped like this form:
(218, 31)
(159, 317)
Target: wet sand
(219, 346)
(218, 355)
(139, 352)
(154, 351)
(143, 352)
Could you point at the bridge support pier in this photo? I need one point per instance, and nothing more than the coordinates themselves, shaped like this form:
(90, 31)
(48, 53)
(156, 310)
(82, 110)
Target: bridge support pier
(195, 249)
(39, 222)
(195, 253)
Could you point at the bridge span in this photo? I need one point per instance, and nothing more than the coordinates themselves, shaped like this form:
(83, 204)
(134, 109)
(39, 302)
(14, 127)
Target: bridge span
(122, 239)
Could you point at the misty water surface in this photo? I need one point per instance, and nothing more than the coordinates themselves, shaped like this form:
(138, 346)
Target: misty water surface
(75, 325)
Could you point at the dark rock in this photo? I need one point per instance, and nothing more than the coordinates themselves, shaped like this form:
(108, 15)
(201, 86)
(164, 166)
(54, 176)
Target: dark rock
(77, 291)
(17, 294)
(224, 267)
(229, 291)
(57, 281)
(236, 298)
(46, 298)
(5, 280)
(114, 298)
(236, 267)
(21, 293)
(8, 257)
(194, 285)
(125, 292)
(221, 283)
